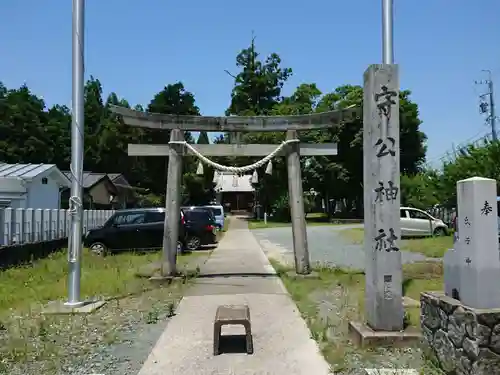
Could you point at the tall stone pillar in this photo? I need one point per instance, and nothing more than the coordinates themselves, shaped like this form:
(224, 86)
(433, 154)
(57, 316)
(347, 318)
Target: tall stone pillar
(381, 175)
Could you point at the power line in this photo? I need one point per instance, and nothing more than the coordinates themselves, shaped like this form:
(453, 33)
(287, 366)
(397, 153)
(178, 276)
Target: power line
(486, 106)
(460, 148)
(478, 136)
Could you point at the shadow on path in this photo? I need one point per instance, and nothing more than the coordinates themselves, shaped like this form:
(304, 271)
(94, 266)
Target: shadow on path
(236, 274)
(230, 344)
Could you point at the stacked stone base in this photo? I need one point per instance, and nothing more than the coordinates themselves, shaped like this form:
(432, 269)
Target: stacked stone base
(463, 340)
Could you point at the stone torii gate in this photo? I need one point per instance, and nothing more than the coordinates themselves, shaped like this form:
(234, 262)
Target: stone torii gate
(291, 148)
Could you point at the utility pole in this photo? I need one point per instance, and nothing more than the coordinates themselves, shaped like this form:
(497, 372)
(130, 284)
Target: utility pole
(488, 106)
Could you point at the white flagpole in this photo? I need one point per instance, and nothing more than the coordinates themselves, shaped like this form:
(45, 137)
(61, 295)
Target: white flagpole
(77, 131)
(387, 32)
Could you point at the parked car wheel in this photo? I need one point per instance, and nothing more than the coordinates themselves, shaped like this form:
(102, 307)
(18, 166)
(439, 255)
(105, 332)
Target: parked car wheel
(193, 243)
(440, 232)
(98, 248)
(180, 247)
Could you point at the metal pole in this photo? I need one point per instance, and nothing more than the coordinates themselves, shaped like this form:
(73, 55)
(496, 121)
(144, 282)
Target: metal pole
(492, 112)
(77, 129)
(387, 32)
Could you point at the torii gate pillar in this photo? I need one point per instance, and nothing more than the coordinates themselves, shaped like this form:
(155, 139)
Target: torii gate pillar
(172, 205)
(296, 202)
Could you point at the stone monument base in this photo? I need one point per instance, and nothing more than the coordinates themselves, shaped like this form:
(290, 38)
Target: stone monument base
(363, 336)
(461, 339)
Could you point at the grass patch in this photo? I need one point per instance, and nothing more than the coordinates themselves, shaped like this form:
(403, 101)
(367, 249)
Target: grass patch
(319, 216)
(36, 343)
(433, 247)
(27, 286)
(417, 278)
(327, 305)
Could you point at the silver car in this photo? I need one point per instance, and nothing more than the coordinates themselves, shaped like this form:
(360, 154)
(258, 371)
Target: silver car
(418, 223)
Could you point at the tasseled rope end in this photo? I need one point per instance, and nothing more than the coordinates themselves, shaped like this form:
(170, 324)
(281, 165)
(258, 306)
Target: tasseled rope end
(199, 170)
(269, 168)
(255, 177)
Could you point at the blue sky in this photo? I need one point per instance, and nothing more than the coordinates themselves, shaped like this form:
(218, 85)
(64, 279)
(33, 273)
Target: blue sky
(137, 47)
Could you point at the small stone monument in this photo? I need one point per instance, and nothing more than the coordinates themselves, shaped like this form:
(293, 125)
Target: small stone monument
(477, 250)
(461, 327)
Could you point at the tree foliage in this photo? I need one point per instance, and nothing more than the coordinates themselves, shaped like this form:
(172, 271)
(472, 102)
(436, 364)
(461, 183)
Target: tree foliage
(439, 186)
(32, 133)
(258, 91)
(475, 161)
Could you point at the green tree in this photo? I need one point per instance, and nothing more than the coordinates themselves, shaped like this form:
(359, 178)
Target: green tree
(31, 133)
(340, 178)
(420, 190)
(94, 115)
(257, 87)
(59, 135)
(474, 161)
(176, 100)
(23, 126)
(257, 91)
(203, 138)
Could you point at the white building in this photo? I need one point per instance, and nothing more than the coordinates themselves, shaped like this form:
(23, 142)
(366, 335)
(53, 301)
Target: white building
(234, 191)
(31, 186)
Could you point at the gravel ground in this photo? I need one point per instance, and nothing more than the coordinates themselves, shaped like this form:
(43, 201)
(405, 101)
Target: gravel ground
(338, 306)
(328, 306)
(326, 246)
(115, 340)
(338, 303)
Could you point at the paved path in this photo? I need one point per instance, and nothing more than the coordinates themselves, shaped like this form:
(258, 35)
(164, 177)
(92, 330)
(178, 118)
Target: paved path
(282, 343)
(326, 245)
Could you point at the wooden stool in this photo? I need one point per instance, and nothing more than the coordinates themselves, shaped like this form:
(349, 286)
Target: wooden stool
(226, 315)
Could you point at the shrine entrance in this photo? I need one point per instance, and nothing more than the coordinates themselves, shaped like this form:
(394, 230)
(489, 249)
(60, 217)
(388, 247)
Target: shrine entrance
(234, 192)
(291, 149)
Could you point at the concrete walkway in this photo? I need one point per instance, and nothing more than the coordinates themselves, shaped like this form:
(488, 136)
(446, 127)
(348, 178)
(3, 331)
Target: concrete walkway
(282, 343)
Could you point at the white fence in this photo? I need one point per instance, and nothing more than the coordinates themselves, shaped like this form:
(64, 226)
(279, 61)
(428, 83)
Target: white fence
(18, 226)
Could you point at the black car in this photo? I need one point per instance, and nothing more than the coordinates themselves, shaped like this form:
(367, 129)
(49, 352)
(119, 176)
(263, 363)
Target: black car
(199, 225)
(140, 229)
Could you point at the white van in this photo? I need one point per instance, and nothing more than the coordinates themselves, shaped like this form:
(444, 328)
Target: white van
(218, 211)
